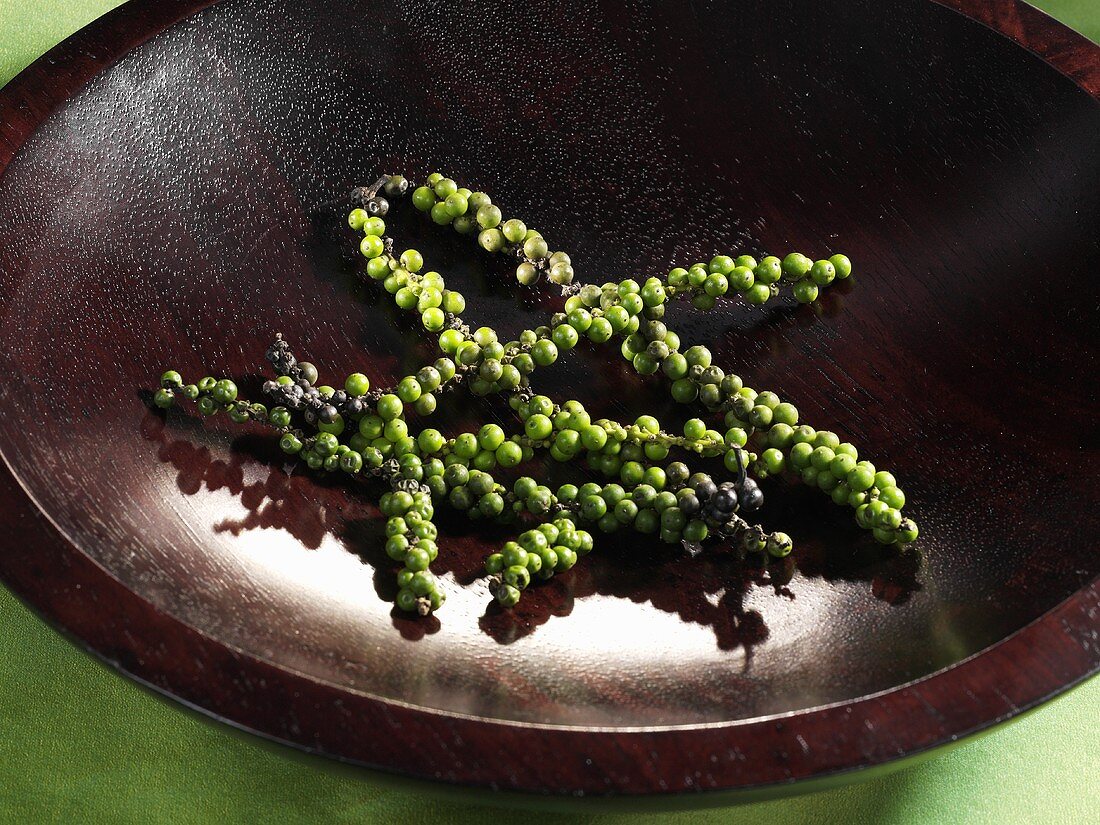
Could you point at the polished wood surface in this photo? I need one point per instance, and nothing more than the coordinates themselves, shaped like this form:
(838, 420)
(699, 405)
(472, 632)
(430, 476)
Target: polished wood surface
(184, 204)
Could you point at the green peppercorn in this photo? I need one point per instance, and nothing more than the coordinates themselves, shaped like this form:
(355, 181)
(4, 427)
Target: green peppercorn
(785, 413)
(224, 391)
(779, 545)
(773, 460)
(841, 494)
(716, 285)
(433, 319)
(801, 455)
(906, 531)
(371, 246)
(768, 271)
(565, 336)
(507, 595)
(647, 521)
(841, 466)
(823, 273)
(491, 240)
(758, 294)
(538, 427)
(841, 265)
(860, 478)
(406, 600)
(760, 416)
(395, 430)
(741, 278)
(423, 198)
(544, 352)
(514, 230)
(781, 436)
(455, 204)
(821, 458)
(592, 507)
(389, 407)
(884, 535)
(805, 292)
(336, 426)
(796, 266)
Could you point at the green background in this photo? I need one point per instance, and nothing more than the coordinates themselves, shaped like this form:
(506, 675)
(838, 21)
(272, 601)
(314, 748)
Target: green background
(80, 743)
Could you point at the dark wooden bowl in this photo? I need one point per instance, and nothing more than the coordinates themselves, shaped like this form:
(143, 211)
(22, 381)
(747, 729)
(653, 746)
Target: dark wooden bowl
(173, 192)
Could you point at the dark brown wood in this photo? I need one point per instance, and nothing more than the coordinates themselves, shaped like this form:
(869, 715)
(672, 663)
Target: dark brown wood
(1038, 32)
(166, 198)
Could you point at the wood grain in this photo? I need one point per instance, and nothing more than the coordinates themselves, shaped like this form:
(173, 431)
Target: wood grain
(166, 198)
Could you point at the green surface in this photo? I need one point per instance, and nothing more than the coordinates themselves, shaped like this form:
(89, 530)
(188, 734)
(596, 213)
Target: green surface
(79, 743)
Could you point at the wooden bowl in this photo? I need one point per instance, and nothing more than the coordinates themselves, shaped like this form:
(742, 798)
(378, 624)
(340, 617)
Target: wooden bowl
(173, 190)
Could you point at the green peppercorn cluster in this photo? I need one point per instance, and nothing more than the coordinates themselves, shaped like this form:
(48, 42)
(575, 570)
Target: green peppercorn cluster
(365, 433)
(552, 547)
(474, 212)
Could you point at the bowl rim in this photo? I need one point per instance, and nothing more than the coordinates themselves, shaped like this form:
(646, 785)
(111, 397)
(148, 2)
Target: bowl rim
(73, 594)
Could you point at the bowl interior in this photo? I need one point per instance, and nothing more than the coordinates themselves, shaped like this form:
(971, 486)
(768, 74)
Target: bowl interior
(190, 201)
